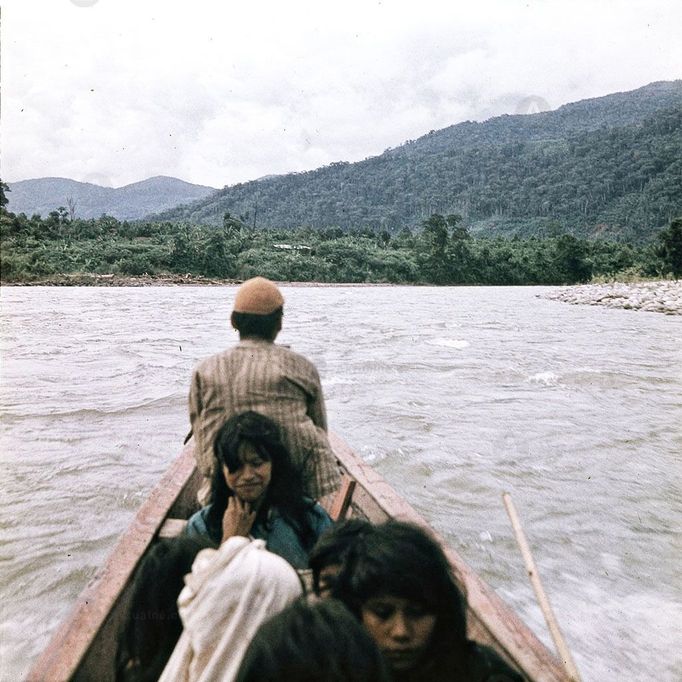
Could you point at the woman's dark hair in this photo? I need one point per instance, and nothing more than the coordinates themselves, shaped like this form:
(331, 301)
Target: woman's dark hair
(320, 642)
(285, 492)
(335, 545)
(152, 624)
(399, 559)
(260, 326)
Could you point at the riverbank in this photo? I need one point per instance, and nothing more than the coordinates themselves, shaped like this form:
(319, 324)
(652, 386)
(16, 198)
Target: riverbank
(94, 280)
(88, 279)
(662, 296)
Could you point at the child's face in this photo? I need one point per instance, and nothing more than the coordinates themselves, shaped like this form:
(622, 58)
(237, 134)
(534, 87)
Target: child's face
(401, 628)
(251, 480)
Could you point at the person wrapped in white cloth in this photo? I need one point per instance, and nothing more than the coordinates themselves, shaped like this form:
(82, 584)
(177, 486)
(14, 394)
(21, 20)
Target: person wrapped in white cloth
(228, 594)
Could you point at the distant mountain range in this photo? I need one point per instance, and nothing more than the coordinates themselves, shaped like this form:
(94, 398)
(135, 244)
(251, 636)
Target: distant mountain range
(607, 166)
(130, 202)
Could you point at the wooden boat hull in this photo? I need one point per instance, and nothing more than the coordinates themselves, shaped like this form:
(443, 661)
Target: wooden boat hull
(84, 646)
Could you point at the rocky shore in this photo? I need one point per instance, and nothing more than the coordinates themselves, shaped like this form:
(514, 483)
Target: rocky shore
(664, 296)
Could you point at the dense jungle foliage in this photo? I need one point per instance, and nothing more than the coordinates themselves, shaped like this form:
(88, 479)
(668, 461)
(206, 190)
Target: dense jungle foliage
(442, 252)
(608, 167)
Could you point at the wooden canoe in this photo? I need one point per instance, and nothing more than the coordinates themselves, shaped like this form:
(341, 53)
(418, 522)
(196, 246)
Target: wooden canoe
(84, 646)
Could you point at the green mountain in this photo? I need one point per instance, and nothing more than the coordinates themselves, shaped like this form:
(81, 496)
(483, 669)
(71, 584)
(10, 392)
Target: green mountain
(608, 166)
(130, 202)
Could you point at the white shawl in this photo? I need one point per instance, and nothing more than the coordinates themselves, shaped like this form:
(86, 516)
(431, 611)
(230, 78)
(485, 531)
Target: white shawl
(228, 594)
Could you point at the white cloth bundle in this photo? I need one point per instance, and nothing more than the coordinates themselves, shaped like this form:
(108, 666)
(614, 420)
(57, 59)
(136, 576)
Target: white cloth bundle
(228, 594)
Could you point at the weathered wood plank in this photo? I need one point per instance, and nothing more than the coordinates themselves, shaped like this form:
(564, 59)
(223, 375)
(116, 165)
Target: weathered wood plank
(343, 499)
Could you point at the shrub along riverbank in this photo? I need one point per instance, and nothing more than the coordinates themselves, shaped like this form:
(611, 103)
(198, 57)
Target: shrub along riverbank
(61, 250)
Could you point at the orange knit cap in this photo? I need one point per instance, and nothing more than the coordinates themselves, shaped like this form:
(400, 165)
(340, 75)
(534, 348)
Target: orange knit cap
(258, 296)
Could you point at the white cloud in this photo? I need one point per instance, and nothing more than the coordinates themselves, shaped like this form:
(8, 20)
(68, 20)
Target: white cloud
(218, 93)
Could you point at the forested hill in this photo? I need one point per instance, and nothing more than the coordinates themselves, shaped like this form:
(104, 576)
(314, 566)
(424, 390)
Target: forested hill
(608, 166)
(43, 195)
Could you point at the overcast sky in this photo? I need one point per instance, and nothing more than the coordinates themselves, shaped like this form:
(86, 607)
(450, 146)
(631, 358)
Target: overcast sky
(218, 92)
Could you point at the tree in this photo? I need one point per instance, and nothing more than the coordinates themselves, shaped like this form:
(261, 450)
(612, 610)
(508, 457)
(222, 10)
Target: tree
(232, 226)
(3, 198)
(460, 254)
(184, 253)
(404, 238)
(71, 204)
(571, 259)
(435, 237)
(436, 228)
(671, 247)
(216, 259)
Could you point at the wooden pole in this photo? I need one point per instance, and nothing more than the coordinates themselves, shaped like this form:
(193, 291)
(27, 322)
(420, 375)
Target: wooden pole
(534, 576)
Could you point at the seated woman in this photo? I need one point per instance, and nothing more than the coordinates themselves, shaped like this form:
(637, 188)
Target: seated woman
(320, 642)
(152, 626)
(329, 554)
(256, 491)
(230, 592)
(398, 582)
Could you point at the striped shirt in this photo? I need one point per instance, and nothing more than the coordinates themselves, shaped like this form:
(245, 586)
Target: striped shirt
(261, 376)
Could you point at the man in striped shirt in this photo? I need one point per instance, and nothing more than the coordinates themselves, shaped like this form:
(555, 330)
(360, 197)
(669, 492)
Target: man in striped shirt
(259, 375)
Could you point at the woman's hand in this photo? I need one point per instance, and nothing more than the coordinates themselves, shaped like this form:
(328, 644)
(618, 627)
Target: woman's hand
(238, 518)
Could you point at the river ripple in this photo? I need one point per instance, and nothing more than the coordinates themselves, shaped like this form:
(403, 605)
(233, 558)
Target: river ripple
(453, 394)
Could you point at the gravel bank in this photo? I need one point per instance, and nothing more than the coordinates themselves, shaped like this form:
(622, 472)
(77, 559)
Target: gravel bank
(664, 296)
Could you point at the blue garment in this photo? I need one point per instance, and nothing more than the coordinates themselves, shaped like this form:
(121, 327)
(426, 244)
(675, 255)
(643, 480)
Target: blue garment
(279, 535)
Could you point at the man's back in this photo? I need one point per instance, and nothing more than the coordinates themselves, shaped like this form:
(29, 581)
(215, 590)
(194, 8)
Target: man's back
(259, 375)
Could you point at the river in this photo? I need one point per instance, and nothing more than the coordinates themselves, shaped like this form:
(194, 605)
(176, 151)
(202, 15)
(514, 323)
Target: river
(454, 394)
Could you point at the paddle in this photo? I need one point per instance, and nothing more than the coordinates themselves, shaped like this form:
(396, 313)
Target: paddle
(552, 624)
